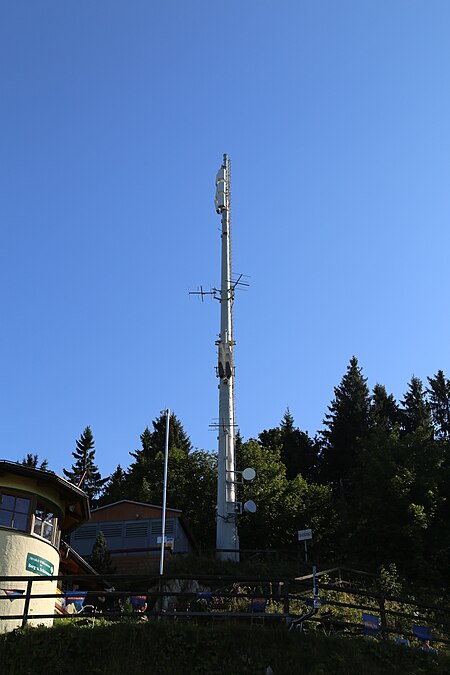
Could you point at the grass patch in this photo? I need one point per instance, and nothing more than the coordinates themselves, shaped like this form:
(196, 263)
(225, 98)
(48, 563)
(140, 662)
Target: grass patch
(162, 648)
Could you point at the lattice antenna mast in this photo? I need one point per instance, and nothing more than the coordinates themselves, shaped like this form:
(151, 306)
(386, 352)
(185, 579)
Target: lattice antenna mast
(227, 538)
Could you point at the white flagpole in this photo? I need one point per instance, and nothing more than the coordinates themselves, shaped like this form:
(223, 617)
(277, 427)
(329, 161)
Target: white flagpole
(166, 461)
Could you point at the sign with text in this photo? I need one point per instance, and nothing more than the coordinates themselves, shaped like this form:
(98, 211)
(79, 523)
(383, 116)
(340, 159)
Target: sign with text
(304, 535)
(39, 565)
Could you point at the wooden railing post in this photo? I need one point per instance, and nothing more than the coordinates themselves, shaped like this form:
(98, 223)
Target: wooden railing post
(160, 599)
(27, 603)
(286, 597)
(384, 633)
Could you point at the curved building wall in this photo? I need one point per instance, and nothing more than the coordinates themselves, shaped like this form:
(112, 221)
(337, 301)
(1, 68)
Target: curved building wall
(26, 554)
(20, 553)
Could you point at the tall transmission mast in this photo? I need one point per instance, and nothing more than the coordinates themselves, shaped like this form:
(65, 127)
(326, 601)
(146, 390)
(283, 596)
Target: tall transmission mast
(227, 538)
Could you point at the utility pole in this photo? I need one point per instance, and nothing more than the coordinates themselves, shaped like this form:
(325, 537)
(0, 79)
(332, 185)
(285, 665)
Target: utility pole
(227, 538)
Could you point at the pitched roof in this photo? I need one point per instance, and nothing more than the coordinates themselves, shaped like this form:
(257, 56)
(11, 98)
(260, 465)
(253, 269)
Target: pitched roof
(77, 501)
(130, 501)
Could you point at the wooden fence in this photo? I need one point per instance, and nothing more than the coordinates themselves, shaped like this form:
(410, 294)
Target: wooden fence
(268, 600)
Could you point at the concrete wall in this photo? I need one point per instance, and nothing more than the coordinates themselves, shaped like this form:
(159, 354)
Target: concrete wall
(14, 549)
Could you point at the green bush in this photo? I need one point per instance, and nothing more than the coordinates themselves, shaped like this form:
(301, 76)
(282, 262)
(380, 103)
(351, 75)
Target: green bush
(168, 647)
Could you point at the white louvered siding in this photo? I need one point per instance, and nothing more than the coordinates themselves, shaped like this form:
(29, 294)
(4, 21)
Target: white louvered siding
(157, 527)
(135, 534)
(86, 532)
(111, 530)
(139, 530)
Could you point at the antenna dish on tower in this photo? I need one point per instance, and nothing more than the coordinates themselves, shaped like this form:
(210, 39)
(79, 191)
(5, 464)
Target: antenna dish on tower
(250, 506)
(248, 473)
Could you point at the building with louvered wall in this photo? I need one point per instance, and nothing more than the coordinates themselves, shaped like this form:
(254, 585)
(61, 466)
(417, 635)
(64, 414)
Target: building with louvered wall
(133, 534)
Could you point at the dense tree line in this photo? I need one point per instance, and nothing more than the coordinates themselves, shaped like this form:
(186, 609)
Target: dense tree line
(373, 484)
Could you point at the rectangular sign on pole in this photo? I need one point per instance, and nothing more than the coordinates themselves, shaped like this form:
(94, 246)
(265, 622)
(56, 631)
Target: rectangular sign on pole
(303, 535)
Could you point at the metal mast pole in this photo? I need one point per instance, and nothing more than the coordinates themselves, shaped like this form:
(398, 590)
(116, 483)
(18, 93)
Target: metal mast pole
(227, 539)
(164, 504)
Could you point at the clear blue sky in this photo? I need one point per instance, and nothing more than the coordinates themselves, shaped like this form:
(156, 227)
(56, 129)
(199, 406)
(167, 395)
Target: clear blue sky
(114, 118)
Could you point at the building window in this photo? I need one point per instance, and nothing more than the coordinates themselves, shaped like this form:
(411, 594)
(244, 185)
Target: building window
(28, 514)
(14, 512)
(44, 522)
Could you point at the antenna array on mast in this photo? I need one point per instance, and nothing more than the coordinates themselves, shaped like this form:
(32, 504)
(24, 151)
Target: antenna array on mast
(228, 508)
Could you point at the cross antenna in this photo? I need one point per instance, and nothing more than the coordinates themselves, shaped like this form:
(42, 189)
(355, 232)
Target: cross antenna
(240, 282)
(220, 425)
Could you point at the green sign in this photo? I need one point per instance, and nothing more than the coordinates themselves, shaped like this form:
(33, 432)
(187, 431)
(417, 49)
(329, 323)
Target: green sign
(39, 565)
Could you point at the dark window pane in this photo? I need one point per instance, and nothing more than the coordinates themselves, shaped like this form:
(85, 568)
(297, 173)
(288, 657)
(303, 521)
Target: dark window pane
(20, 522)
(44, 522)
(47, 532)
(22, 505)
(37, 526)
(7, 502)
(5, 518)
(14, 512)
(49, 526)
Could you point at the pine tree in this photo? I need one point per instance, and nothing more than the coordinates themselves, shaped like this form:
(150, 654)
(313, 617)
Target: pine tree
(289, 445)
(177, 436)
(115, 488)
(84, 471)
(415, 411)
(143, 459)
(30, 460)
(346, 424)
(439, 402)
(33, 461)
(439, 535)
(100, 558)
(298, 450)
(152, 449)
(384, 412)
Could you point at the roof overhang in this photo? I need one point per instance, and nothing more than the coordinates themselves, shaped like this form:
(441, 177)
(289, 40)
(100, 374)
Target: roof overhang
(76, 501)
